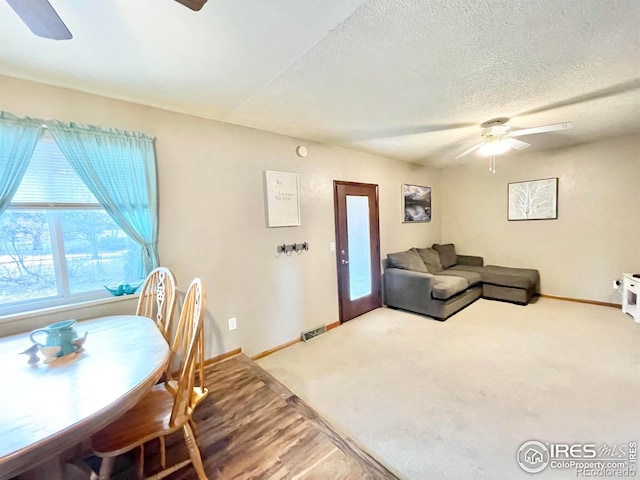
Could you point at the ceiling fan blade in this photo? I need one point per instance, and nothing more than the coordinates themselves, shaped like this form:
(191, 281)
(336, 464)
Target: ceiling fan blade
(194, 5)
(517, 144)
(541, 129)
(468, 151)
(41, 19)
(617, 89)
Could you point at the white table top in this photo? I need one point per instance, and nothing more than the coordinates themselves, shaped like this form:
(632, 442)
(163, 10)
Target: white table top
(45, 409)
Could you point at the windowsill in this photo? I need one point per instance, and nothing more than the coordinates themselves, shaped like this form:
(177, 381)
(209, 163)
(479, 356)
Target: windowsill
(66, 307)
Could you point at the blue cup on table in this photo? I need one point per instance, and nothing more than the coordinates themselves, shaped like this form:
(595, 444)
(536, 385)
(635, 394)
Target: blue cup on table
(59, 334)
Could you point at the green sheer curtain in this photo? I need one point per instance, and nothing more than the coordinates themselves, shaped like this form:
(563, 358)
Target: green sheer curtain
(120, 170)
(18, 140)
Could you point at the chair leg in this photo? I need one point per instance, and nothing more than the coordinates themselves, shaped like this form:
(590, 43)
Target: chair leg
(194, 426)
(106, 467)
(141, 462)
(163, 454)
(194, 452)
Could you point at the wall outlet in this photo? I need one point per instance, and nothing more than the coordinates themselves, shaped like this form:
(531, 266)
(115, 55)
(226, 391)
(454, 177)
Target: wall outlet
(233, 323)
(616, 284)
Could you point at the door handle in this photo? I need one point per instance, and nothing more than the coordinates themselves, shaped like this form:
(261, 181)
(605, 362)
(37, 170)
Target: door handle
(344, 262)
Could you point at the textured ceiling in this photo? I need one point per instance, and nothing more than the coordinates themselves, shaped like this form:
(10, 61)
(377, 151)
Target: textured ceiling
(410, 80)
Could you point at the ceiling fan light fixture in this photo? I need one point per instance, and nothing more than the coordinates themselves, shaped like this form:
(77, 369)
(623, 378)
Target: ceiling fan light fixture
(494, 147)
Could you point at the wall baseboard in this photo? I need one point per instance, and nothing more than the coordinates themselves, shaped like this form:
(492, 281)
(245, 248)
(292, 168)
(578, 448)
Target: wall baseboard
(224, 356)
(288, 344)
(580, 300)
(275, 349)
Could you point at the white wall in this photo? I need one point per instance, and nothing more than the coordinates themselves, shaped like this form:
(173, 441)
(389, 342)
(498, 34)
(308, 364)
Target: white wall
(212, 219)
(596, 235)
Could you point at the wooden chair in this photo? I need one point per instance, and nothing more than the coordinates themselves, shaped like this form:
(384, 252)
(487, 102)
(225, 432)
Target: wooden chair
(158, 299)
(168, 406)
(198, 391)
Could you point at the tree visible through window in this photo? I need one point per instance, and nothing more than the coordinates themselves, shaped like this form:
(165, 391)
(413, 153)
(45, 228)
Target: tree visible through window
(57, 242)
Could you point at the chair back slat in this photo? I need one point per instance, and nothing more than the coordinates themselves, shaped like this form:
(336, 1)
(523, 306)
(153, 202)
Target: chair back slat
(185, 350)
(158, 299)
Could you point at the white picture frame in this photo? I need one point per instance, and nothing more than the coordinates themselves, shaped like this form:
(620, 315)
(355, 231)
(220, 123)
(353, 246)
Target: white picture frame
(283, 199)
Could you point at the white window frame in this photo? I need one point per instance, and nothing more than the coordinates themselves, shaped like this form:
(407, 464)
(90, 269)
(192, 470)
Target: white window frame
(63, 296)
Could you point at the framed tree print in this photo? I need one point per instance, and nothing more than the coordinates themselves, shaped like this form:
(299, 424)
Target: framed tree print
(533, 200)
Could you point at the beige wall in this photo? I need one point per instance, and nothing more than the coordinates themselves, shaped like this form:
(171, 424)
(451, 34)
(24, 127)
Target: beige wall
(596, 235)
(212, 219)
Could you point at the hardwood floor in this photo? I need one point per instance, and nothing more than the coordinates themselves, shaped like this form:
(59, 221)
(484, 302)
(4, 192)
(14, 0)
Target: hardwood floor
(252, 427)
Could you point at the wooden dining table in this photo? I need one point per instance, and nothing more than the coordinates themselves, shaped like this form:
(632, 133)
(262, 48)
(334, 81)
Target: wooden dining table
(47, 409)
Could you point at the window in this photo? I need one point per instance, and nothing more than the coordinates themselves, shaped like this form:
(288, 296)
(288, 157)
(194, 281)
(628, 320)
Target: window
(57, 243)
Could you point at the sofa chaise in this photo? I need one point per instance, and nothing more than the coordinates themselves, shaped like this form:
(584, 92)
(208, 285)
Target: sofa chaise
(438, 282)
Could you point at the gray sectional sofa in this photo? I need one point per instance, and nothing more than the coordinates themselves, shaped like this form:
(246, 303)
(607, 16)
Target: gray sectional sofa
(438, 282)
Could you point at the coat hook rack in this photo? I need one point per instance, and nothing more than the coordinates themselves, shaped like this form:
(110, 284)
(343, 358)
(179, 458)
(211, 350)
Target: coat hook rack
(299, 248)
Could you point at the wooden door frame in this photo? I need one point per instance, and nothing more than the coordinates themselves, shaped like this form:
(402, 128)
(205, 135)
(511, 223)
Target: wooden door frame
(375, 262)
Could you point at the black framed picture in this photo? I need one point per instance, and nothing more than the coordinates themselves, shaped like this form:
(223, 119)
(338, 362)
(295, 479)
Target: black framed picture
(416, 203)
(533, 200)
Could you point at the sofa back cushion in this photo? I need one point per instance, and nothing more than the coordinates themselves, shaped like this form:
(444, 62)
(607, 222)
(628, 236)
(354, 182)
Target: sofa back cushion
(408, 260)
(447, 252)
(431, 259)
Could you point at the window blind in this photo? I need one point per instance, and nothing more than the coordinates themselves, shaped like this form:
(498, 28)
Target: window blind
(49, 178)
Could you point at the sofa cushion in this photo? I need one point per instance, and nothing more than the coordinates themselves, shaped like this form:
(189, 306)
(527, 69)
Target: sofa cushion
(407, 260)
(447, 254)
(445, 286)
(510, 277)
(431, 259)
(467, 268)
(473, 278)
(469, 260)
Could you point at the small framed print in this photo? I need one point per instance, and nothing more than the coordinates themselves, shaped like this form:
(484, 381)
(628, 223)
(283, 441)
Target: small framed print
(416, 203)
(533, 200)
(283, 201)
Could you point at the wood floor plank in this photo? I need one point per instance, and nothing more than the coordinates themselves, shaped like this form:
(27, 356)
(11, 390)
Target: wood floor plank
(252, 427)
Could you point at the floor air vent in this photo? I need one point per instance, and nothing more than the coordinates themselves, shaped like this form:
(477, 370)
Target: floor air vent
(306, 336)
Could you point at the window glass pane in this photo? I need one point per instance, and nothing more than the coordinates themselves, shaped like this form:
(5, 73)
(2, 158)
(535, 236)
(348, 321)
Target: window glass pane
(26, 260)
(359, 246)
(50, 179)
(97, 251)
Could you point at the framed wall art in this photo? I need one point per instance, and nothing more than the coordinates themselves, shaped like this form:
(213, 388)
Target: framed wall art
(416, 203)
(283, 201)
(533, 200)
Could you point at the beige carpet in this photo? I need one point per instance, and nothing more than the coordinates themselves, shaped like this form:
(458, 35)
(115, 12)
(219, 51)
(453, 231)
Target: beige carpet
(455, 400)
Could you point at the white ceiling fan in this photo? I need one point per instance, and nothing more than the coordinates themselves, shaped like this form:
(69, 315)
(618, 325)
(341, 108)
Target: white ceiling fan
(497, 137)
